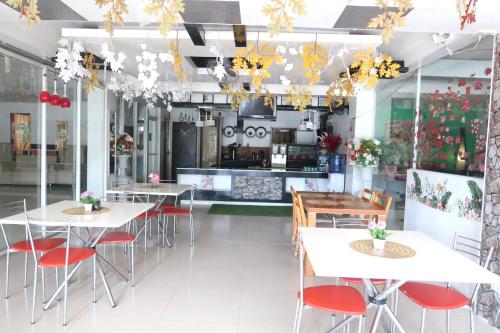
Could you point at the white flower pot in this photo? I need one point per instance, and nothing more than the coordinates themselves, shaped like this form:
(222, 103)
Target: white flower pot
(87, 207)
(378, 244)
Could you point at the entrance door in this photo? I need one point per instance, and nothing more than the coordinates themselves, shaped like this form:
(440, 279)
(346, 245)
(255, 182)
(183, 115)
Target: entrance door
(184, 146)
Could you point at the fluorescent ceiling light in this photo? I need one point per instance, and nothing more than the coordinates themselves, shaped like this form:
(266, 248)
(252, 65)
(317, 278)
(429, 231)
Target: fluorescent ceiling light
(226, 35)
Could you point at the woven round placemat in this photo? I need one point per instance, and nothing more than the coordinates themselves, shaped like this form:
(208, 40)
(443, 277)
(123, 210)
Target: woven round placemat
(81, 211)
(391, 250)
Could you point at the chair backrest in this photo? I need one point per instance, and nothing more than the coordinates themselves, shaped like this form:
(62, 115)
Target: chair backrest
(367, 194)
(9, 209)
(383, 199)
(301, 216)
(62, 226)
(472, 249)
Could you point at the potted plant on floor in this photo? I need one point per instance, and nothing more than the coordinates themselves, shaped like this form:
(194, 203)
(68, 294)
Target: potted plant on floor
(87, 200)
(379, 234)
(365, 154)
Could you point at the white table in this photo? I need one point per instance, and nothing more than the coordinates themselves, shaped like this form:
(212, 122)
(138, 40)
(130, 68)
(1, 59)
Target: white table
(330, 255)
(162, 191)
(120, 213)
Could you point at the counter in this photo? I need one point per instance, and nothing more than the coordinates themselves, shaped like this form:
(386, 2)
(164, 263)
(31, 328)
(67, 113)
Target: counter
(252, 185)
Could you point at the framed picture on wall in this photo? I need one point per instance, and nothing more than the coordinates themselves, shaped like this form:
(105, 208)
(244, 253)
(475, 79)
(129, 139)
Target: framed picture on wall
(62, 134)
(208, 98)
(20, 132)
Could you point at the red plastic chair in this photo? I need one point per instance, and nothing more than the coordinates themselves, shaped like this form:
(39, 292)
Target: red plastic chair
(61, 257)
(334, 299)
(126, 238)
(41, 245)
(179, 212)
(436, 297)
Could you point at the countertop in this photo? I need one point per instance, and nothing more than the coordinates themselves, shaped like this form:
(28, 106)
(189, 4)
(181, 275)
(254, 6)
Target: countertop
(253, 171)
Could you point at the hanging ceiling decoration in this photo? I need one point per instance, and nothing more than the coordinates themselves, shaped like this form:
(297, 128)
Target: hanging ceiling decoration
(28, 9)
(299, 97)
(314, 61)
(116, 8)
(281, 13)
(237, 92)
(148, 68)
(68, 60)
(168, 11)
(338, 91)
(116, 63)
(467, 12)
(177, 60)
(92, 80)
(390, 19)
(370, 67)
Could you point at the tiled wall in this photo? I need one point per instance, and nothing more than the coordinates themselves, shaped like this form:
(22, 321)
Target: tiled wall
(262, 188)
(488, 300)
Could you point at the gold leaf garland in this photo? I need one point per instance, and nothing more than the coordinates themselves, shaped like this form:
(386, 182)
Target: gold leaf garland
(314, 60)
(299, 97)
(28, 10)
(337, 90)
(390, 19)
(281, 12)
(237, 93)
(114, 13)
(177, 63)
(370, 68)
(91, 80)
(257, 61)
(168, 11)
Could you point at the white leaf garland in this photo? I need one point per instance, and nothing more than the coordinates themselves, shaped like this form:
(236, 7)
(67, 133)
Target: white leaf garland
(68, 60)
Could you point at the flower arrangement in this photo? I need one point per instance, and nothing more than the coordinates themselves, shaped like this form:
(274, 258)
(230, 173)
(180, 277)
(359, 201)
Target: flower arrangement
(154, 178)
(377, 230)
(365, 153)
(124, 144)
(87, 198)
(330, 142)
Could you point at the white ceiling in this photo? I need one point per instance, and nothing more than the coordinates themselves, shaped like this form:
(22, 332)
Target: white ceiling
(411, 44)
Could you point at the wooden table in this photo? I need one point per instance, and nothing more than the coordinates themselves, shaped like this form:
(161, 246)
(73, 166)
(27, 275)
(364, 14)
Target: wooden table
(336, 204)
(332, 256)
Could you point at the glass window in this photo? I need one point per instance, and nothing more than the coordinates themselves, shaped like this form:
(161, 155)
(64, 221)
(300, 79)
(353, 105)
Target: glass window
(20, 123)
(395, 128)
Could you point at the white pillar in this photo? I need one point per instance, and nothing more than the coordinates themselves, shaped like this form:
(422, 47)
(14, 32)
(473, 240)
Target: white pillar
(361, 126)
(96, 142)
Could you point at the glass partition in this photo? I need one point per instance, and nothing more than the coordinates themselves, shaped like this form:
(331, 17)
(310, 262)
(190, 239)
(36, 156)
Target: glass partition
(395, 128)
(20, 125)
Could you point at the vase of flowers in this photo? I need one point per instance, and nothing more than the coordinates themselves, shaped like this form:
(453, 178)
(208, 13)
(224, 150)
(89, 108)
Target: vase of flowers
(87, 200)
(365, 153)
(154, 179)
(379, 235)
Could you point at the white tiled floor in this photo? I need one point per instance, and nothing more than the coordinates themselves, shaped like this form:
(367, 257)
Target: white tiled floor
(239, 277)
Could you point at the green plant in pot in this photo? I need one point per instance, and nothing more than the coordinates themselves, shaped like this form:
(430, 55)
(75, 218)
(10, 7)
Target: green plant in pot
(379, 234)
(87, 200)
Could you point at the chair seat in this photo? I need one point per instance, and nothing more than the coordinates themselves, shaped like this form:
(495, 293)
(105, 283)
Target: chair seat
(41, 244)
(151, 213)
(57, 257)
(335, 299)
(117, 237)
(176, 211)
(359, 282)
(431, 296)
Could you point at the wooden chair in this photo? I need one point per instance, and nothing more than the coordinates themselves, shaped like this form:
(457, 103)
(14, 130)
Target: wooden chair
(385, 200)
(298, 218)
(357, 221)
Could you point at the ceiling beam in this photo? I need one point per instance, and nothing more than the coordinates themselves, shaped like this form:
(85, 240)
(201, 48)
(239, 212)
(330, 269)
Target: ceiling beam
(197, 33)
(240, 35)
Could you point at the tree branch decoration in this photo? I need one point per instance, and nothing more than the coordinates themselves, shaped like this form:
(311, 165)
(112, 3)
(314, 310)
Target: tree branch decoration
(91, 80)
(177, 63)
(169, 12)
(281, 12)
(27, 9)
(314, 60)
(237, 93)
(114, 14)
(337, 90)
(467, 12)
(371, 67)
(389, 19)
(299, 97)
(257, 62)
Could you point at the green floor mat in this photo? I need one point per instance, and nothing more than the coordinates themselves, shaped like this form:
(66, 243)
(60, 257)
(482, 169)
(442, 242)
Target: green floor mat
(250, 210)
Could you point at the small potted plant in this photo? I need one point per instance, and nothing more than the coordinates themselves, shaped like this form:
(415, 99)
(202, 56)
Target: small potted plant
(154, 179)
(379, 234)
(87, 200)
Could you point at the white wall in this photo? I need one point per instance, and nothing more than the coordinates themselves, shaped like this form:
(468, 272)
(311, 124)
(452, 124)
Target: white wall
(97, 158)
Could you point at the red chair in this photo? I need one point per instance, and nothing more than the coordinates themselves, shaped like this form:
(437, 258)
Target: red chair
(41, 245)
(333, 299)
(179, 212)
(61, 257)
(436, 297)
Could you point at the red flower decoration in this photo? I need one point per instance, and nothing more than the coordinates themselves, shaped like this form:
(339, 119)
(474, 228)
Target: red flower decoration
(461, 83)
(487, 71)
(478, 85)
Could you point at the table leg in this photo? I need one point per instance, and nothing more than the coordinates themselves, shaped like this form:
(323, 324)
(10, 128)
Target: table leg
(105, 282)
(113, 269)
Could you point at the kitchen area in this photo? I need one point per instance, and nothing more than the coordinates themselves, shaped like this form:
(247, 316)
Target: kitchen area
(257, 153)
